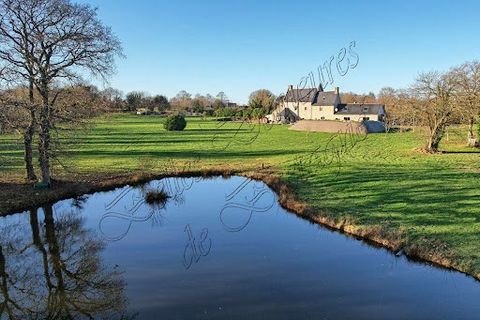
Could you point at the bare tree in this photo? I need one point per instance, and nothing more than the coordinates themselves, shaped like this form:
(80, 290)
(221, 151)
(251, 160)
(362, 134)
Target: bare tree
(52, 268)
(222, 97)
(13, 69)
(434, 105)
(182, 101)
(51, 41)
(468, 94)
(114, 98)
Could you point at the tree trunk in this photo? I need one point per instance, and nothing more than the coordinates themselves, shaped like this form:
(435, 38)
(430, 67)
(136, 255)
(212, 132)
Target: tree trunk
(471, 134)
(436, 136)
(55, 257)
(37, 241)
(28, 137)
(44, 135)
(27, 140)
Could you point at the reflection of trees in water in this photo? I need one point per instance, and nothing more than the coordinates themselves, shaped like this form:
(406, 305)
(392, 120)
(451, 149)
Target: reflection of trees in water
(129, 206)
(53, 270)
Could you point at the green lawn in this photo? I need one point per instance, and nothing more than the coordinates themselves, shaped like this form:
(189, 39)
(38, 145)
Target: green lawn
(383, 179)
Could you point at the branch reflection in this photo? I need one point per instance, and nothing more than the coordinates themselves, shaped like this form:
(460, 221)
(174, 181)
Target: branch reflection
(52, 269)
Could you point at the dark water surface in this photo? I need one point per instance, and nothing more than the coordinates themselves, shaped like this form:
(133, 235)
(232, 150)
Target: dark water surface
(219, 249)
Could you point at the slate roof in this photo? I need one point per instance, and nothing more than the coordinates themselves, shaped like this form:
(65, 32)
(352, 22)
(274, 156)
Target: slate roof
(325, 98)
(359, 108)
(287, 113)
(321, 98)
(301, 95)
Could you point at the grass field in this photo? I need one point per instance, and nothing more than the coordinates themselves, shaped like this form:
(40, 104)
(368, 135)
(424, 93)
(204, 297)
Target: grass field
(381, 180)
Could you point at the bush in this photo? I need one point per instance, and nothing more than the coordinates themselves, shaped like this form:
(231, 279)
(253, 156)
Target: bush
(154, 197)
(175, 123)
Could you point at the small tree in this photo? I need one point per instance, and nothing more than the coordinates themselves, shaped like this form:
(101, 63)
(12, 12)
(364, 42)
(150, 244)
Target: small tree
(175, 123)
(262, 99)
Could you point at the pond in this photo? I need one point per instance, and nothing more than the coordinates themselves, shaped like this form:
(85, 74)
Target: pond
(217, 249)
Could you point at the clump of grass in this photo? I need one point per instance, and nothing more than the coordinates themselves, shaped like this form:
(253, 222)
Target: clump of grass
(155, 197)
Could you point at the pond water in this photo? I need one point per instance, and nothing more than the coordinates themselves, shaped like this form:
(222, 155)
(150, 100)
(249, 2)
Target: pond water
(218, 249)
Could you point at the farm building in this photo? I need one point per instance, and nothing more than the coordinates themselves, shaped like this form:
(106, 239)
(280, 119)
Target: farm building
(316, 104)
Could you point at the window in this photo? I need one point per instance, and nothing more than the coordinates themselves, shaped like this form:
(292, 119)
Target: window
(322, 118)
(365, 109)
(305, 108)
(346, 118)
(366, 118)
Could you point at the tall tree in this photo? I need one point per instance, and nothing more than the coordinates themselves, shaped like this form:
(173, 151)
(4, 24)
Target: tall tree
(20, 71)
(51, 41)
(161, 102)
(468, 94)
(135, 100)
(434, 105)
(222, 97)
(181, 101)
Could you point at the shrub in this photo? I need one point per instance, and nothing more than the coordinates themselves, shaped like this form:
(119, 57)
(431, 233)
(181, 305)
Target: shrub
(175, 123)
(154, 197)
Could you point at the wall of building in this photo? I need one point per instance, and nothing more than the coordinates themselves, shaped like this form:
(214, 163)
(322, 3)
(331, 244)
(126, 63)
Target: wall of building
(357, 117)
(307, 111)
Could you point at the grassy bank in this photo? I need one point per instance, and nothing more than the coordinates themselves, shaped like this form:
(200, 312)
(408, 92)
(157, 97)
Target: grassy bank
(378, 187)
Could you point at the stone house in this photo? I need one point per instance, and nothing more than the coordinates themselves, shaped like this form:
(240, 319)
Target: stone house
(316, 104)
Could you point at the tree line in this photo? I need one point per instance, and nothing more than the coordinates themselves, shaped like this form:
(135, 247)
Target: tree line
(261, 102)
(437, 100)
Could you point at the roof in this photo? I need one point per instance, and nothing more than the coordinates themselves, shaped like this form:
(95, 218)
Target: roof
(359, 108)
(301, 95)
(288, 113)
(325, 98)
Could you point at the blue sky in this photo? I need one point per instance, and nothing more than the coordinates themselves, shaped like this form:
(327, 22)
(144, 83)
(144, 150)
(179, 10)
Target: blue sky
(238, 46)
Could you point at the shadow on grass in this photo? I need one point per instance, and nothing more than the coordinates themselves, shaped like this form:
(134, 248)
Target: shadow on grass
(426, 201)
(462, 152)
(179, 154)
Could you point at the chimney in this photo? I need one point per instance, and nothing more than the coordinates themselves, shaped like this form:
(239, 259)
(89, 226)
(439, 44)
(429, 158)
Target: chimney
(290, 87)
(337, 90)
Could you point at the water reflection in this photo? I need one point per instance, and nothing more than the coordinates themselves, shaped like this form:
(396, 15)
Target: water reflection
(241, 202)
(218, 249)
(52, 269)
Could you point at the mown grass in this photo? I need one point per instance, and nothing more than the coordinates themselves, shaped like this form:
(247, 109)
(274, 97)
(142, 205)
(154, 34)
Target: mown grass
(382, 180)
